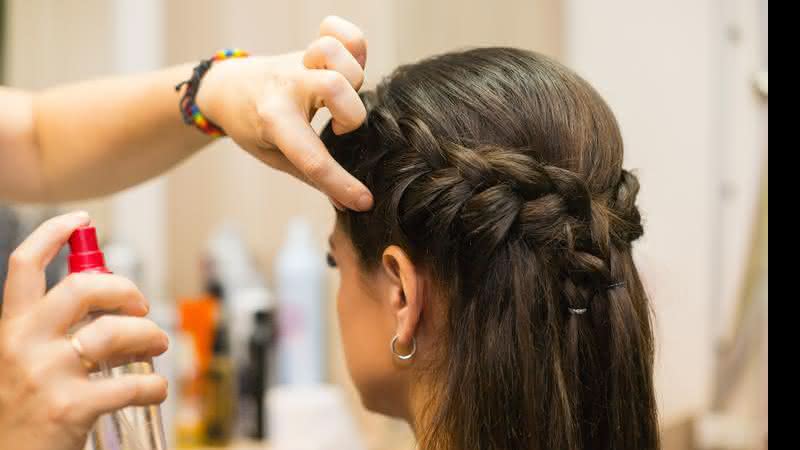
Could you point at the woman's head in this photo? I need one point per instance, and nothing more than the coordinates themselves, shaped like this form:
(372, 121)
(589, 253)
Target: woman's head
(500, 249)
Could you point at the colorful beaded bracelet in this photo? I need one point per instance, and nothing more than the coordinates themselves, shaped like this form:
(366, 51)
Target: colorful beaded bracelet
(189, 110)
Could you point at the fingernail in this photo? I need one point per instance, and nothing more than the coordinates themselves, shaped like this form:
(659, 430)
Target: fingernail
(364, 202)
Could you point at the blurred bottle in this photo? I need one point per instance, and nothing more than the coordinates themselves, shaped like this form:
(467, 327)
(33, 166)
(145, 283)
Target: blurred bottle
(198, 318)
(244, 304)
(230, 261)
(255, 379)
(220, 391)
(299, 278)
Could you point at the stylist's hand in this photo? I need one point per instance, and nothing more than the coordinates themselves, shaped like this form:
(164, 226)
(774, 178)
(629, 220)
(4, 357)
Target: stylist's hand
(47, 401)
(266, 105)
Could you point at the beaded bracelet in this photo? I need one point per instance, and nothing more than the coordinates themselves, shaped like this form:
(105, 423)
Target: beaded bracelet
(189, 109)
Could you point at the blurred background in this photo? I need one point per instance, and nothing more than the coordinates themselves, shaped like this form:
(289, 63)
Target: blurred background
(686, 78)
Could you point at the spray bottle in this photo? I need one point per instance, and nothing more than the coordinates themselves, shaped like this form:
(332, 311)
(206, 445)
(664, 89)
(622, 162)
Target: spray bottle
(131, 428)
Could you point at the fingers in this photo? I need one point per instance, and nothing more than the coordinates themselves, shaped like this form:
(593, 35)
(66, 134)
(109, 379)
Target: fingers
(330, 53)
(333, 73)
(331, 89)
(348, 34)
(303, 148)
(121, 339)
(104, 395)
(79, 294)
(26, 280)
(278, 160)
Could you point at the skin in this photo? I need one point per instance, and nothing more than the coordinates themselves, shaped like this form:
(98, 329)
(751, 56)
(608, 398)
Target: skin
(46, 398)
(98, 137)
(374, 306)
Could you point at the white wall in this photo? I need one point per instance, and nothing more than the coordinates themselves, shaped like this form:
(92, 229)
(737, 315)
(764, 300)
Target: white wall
(139, 215)
(653, 63)
(54, 42)
(678, 75)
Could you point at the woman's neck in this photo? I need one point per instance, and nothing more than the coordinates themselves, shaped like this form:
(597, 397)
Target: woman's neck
(421, 407)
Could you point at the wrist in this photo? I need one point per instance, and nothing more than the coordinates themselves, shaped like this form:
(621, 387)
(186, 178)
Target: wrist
(203, 95)
(210, 96)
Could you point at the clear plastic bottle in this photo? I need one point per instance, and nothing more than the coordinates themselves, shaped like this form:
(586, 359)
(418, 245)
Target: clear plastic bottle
(131, 428)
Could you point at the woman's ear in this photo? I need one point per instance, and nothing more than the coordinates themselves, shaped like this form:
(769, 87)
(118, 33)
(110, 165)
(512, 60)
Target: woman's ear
(405, 300)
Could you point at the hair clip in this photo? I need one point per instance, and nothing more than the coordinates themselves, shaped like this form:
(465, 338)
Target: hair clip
(581, 311)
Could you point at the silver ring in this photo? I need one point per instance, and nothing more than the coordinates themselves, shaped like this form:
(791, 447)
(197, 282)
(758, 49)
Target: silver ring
(87, 363)
(397, 353)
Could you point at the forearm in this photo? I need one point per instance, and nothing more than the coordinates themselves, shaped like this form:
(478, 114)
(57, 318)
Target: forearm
(93, 138)
(98, 137)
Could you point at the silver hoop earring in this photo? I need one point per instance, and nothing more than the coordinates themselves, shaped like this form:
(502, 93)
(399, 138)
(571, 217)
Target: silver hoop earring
(397, 353)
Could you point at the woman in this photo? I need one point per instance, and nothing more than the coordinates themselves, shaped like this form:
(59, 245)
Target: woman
(490, 298)
(98, 137)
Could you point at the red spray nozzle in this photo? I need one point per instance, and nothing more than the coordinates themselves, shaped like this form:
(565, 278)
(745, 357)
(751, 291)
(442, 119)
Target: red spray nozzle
(85, 254)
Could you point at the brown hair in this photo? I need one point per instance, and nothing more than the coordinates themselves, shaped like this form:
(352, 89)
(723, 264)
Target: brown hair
(500, 172)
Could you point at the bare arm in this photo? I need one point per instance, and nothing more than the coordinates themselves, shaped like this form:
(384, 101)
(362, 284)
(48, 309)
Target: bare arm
(92, 138)
(98, 137)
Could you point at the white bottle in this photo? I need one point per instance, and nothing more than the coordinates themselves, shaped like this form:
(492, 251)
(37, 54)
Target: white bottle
(231, 261)
(299, 286)
(243, 287)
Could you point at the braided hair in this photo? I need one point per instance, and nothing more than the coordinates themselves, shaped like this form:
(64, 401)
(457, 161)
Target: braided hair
(500, 172)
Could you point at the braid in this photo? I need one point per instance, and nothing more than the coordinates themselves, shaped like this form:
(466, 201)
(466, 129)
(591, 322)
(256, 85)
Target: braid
(522, 214)
(490, 195)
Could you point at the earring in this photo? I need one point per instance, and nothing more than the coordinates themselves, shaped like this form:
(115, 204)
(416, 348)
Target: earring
(402, 357)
